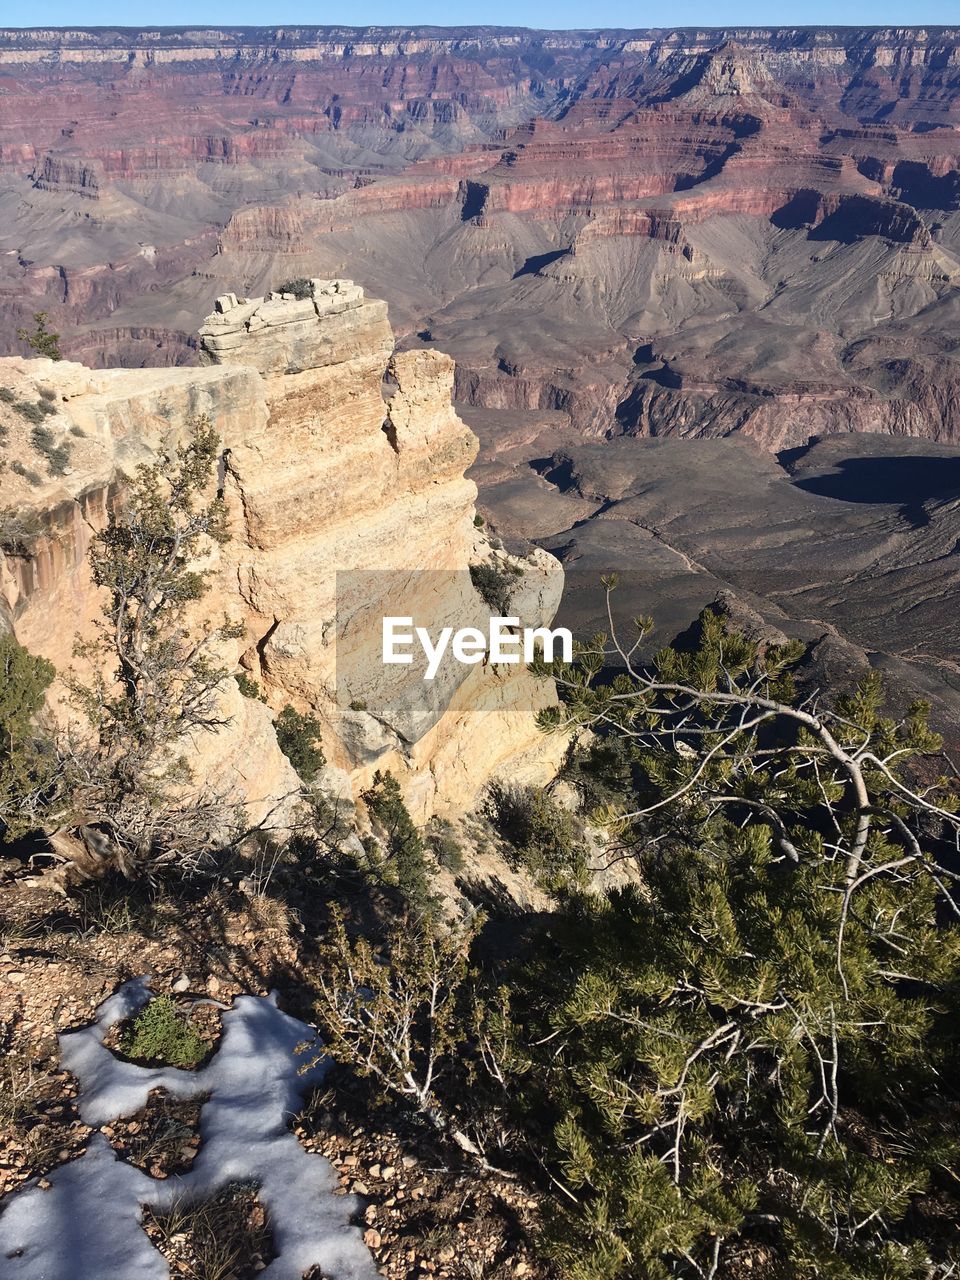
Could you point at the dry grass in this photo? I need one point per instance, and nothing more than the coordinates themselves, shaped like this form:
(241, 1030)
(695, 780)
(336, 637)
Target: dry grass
(225, 1238)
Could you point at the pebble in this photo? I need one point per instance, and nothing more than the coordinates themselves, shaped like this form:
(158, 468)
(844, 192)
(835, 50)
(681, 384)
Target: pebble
(182, 984)
(371, 1238)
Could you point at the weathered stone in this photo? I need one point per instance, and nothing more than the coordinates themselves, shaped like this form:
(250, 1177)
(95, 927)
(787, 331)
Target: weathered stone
(323, 476)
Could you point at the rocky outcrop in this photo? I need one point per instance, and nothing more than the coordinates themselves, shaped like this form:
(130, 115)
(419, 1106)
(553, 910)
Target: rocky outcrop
(538, 203)
(344, 480)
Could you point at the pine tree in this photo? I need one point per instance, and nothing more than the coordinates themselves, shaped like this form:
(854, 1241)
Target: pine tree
(26, 763)
(405, 848)
(750, 1057)
(41, 339)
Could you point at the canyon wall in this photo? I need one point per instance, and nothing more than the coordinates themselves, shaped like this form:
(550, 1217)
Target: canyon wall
(343, 458)
(749, 231)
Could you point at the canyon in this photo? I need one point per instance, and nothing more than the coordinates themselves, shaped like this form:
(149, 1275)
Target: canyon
(652, 232)
(342, 471)
(674, 269)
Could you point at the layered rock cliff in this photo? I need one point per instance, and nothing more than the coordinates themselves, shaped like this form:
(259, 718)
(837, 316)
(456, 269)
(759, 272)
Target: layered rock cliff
(552, 208)
(343, 472)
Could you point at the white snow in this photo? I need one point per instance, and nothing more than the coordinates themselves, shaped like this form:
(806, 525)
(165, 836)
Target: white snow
(86, 1226)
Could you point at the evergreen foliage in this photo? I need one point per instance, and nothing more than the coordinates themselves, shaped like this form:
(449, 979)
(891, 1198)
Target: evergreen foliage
(495, 585)
(301, 287)
(159, 1036)
(444, 845)
(25, 757)
(752, 1055)
(546, 838)
(406, 852)
(154, 680)
(40, 339)
(298, 736)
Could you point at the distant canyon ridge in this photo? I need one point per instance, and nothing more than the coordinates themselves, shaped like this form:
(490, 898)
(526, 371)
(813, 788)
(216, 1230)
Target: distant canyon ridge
(701, 287)
(674, 232)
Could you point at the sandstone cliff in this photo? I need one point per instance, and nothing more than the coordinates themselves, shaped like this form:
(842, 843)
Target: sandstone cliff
(345, 460)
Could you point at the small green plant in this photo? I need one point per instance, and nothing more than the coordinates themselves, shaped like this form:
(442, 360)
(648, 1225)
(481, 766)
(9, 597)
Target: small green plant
(298, 736)
(406, 852)
(444, 845)
(47, 393)
(301, 287)
(358, 704)
(158, 1034)
(546, 838)
(41, 339)
(30, 412)
(31, 477)
(495, 583)
(78, 432)
(57, 455)
(248, 686)
(7, 396)
(478, 521)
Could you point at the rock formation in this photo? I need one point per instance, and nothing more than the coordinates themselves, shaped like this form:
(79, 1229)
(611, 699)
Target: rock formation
(344, 482)
(590, 222)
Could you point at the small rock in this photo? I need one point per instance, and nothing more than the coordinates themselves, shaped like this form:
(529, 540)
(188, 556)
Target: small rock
(371, 1238)
(360, 1188)
(182, 984)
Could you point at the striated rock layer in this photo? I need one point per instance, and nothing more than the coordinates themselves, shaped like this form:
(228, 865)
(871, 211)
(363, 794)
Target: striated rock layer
(694, 233)
(344, 458)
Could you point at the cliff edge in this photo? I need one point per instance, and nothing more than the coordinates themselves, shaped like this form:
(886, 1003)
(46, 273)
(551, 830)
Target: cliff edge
(341, 459)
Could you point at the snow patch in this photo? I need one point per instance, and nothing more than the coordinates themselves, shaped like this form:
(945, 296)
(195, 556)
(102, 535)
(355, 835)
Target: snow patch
(87, 1225)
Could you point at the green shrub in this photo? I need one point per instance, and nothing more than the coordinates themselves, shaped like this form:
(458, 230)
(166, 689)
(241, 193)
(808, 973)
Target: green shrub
(747, 1061)
(478, 521)
(7, 396)
(495, 584)
(249, 687)
(301, 287)
(31, 477)
(27, 766)
(159, 1035)
(298, 735)
(57, 455)
(358, 704)
(444, 845)
(546, 838)
(405, 848)
(30, 412)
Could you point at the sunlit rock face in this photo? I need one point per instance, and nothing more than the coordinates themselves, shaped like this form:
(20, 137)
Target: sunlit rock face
(338, 457)
(664, 232)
